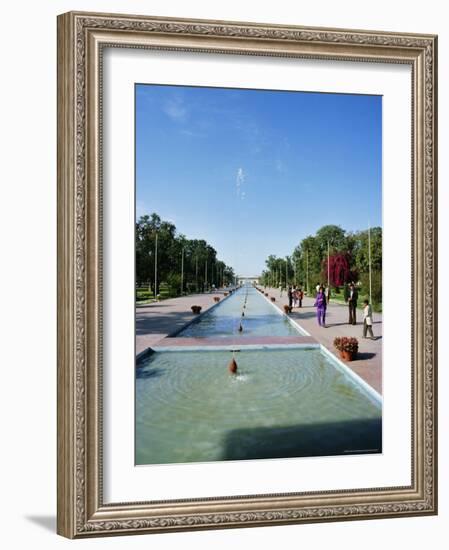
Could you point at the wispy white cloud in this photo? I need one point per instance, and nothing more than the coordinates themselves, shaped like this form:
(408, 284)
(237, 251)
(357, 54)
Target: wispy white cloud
(176, 109)
(191, 133)
(239, 181)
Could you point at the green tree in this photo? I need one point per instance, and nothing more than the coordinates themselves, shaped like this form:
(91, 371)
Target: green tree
(332, 234)
(195, 259)
(361, 250)
(308, 263)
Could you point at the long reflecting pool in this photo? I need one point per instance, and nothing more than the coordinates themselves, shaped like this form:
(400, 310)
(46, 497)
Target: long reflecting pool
(282, 403)
(285, 402)
(260, 318)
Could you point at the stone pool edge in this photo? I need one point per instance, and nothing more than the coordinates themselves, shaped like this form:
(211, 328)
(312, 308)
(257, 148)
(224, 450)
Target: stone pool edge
(290, 320)
(352, 374)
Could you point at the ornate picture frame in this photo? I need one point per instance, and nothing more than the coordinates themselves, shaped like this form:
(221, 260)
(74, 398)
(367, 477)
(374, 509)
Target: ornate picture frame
(82, 38)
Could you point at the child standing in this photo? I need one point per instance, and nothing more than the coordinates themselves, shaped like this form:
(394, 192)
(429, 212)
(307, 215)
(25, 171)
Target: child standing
(367, 319)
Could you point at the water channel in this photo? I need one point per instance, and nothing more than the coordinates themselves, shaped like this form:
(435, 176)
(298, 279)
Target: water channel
(282, 402)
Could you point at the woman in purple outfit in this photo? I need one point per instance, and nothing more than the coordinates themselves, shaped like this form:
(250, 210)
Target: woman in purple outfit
(320, 304)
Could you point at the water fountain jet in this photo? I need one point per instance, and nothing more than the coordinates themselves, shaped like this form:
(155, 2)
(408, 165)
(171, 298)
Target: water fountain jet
(232, 367)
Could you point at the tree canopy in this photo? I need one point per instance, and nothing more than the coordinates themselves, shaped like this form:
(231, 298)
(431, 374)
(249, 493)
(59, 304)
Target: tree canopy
(190, 263)
(348, 260)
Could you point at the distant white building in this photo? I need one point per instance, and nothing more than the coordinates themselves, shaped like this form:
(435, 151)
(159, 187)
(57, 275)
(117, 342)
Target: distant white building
(242, 280)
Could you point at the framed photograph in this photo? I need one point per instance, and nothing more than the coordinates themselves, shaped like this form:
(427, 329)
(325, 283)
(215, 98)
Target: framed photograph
(246, 274)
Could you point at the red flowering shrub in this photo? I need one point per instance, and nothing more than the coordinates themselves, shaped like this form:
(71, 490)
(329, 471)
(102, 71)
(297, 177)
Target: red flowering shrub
(339, 269)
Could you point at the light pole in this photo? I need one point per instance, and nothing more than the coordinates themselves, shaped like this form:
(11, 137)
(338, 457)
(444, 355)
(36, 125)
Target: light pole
(307, 270)
(286, 271)
(182, 271)
(328, 272)
(155, 269)
(150, 289)
(196, 273)
(369, 262)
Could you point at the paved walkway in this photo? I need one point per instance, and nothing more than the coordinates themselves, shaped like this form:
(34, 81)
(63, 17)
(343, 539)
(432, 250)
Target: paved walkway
(159, 319)
(368, 364)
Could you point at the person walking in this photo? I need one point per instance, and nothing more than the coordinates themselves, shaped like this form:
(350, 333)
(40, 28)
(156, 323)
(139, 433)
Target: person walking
(367, 319)
(352, 303)
(320, 304)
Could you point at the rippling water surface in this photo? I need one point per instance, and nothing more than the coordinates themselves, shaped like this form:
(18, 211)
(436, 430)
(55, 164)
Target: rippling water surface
(260, 319)
(282, 403)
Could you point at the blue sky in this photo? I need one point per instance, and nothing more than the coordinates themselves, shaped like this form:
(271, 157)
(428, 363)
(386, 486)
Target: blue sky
(252, 171)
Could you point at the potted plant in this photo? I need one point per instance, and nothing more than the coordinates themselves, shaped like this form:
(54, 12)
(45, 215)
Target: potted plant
(266, 294)
(273, 299)
(225, 293)
(216, 298)
(348, 347)
(196, 309)
(287, 308)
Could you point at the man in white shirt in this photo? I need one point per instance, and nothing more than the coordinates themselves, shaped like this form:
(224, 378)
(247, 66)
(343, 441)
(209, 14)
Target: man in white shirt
(367, 319)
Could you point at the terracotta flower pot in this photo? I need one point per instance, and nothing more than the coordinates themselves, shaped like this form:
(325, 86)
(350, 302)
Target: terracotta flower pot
(273, 299)
(266, 294)
(196, 309)
(216, 298)
(347, 355)
(225, 293)
(287, 309)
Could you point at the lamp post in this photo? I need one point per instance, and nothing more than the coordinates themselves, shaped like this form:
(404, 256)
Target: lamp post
(182, 271)
(150, 287)
(328, 271)
(196, 272)
(369, 262)
(307, 270)
(155, 269)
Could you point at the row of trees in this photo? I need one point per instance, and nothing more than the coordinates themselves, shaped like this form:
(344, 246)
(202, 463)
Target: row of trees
(349, 256)
(167, 258)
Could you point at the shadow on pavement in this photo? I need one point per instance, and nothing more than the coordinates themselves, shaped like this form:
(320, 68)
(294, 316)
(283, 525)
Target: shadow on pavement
(362, 356)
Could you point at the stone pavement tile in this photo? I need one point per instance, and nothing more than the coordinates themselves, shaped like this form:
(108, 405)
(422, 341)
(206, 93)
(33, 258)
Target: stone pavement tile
(159, 319)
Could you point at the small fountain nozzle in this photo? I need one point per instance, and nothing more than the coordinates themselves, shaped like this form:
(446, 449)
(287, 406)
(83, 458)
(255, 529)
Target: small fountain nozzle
(232, 367)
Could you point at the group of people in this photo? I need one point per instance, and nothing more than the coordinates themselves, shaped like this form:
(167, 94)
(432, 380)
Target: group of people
(295, 296)
(351, 296)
